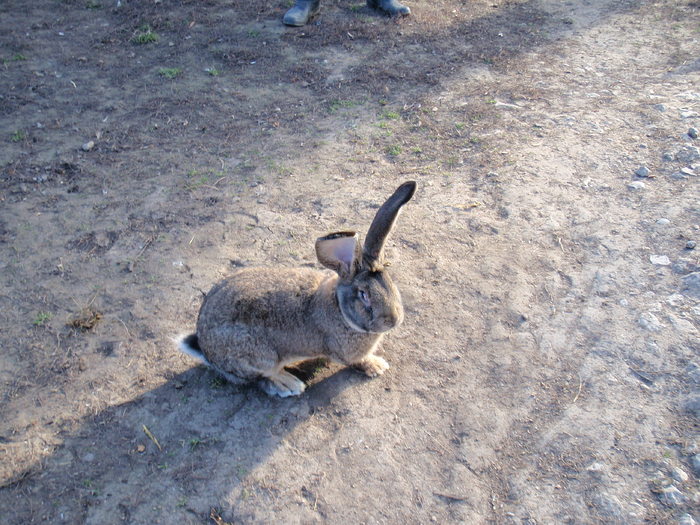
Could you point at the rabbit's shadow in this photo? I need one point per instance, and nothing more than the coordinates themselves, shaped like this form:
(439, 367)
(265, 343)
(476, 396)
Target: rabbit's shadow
(195, 434)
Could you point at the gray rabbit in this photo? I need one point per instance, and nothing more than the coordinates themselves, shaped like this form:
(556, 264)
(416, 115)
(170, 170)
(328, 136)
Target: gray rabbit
(259, 320)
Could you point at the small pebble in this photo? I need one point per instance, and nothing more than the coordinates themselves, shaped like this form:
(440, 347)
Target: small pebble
(636, 185)
(691, 284)
(679, 475)
(650, 322)
(663, 221)
(692, 405)
(690, 245)
(688, 154)
(675, 300)
(693, 133)
(686, 519)
(660, 107)
(689, 114)
(671, 496)
(688, 171)
(88, 146)
(642, 171)
(696, 464)
(595, 467)
(661, 260)
(609, 507)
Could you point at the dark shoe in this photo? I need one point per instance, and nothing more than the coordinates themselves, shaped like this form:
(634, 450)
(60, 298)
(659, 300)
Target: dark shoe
(390, 7)
(301, 12)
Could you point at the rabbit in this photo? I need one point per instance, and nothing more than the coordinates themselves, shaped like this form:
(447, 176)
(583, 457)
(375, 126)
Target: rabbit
(259, 320)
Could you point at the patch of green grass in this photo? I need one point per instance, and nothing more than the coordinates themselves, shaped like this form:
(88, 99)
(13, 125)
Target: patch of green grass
(194, 443)
(18, 136)
(197, 179)
(452, 162)
(170, 72)
(41, 318)
(490, 100)
(145, 35)
(89, 484)
(182, 502)
(393, 150)
(391, 115)
(217, 382)
(213, 71)
(279, 169)
(336, 105)
(460, 125)
(17, 57)
(253, 33)
(93, 5)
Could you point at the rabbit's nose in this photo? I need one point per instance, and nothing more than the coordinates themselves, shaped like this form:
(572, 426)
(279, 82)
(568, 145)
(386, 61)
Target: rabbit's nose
(393, 318)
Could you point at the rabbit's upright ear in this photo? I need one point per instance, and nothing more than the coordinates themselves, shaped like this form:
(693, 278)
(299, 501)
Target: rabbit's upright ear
(340, 252)
(383, 223)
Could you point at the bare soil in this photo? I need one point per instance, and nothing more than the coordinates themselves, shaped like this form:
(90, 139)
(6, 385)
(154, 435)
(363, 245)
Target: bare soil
(548, 368)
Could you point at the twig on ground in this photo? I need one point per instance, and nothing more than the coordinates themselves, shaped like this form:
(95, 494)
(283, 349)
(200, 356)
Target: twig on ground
(580, 386)
(152, 437)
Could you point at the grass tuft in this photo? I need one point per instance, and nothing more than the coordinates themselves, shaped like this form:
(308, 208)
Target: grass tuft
(170, 72)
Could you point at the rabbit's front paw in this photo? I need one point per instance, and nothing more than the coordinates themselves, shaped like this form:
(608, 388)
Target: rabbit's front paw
(372, 365)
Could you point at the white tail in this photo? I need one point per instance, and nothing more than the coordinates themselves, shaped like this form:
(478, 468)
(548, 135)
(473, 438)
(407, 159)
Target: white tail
(182, 343)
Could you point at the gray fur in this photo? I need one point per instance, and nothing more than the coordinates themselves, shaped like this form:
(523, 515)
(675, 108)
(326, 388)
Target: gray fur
(259, 320)
(199, 356)
(384, 221)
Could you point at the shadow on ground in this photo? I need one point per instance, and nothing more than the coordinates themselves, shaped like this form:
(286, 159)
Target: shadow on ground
(130, 456)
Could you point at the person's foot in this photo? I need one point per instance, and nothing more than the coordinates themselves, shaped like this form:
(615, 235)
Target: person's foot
(390, 7)
(301, 12)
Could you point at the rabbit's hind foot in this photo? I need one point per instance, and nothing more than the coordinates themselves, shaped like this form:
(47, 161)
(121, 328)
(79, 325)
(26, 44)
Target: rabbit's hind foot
(282, 384)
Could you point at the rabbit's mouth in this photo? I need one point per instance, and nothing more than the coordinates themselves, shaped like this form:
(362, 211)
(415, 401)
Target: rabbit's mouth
(376, 325)
(386, 322)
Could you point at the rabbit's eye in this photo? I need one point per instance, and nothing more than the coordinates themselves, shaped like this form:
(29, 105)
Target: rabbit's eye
(363, 297)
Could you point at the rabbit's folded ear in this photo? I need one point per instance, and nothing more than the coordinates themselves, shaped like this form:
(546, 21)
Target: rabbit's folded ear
(384, 221)
(339, 252)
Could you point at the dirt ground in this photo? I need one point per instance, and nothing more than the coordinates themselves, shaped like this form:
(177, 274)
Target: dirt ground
(548, 368)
